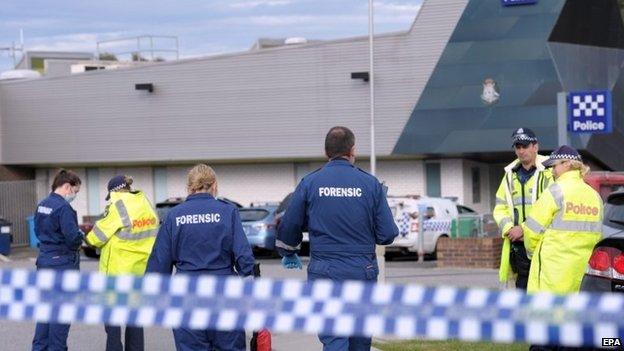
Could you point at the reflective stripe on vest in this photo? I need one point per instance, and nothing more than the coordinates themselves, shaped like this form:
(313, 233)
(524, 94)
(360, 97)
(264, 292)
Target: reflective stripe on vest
(517, 201)
(125, 235)
(99, 234)
(534, 225)
(557, 194)
(123, 214)
(504, 222)
(575, 226)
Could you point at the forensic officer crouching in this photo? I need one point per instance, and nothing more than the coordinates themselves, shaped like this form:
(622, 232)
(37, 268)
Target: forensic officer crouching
(346, 213)
(203, 235)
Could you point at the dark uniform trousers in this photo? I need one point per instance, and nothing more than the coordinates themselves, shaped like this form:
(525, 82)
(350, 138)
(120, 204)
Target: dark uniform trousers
(339, 268)
(53, 336)
(133, 339)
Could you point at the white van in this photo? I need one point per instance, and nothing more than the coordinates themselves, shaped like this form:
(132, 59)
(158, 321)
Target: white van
(437, 222)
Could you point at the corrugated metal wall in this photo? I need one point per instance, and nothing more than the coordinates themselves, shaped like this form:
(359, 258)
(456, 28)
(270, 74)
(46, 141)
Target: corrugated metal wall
(18, 200)
(275, 103)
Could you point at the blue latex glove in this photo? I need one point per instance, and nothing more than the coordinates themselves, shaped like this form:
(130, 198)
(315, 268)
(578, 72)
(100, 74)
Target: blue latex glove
(292, 262)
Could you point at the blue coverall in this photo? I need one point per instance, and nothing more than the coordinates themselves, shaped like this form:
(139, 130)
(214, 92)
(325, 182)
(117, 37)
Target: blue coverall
(346, 213)
(56, 227)
(203, 235)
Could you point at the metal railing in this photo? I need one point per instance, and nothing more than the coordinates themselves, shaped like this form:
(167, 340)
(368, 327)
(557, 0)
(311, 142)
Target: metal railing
(470, 225)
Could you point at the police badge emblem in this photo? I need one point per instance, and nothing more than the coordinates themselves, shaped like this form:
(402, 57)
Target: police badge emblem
(490, 93)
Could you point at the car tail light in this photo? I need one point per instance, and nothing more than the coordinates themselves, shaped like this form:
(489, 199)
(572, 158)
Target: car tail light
(607, 262)
(600, 260)
(618, 263)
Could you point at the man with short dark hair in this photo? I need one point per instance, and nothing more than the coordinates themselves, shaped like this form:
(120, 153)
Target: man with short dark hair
(524, 181)
(339, 142)
(346, 213)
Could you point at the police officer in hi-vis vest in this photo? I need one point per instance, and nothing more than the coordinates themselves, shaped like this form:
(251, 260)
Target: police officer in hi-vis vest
(524, 181)
(564, 226)
(126, 235)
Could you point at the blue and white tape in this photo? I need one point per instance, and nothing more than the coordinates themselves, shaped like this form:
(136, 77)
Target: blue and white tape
(345, 309)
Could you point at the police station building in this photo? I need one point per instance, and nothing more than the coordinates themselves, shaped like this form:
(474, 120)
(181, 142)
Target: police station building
(450, 90)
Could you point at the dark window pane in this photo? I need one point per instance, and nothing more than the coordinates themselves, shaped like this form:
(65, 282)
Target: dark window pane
(249, 215)
(434, 187)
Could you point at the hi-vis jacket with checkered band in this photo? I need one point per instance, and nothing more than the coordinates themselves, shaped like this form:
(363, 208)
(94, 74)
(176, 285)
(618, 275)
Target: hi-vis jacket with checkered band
(560, 234)
(513, 195)
(126, 234)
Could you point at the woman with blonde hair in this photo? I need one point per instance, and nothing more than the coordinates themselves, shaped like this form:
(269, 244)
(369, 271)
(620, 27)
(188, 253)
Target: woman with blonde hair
(564, 226)
(203, 235)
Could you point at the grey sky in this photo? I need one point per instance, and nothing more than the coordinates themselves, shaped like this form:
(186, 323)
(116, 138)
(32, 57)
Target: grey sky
(203, 27)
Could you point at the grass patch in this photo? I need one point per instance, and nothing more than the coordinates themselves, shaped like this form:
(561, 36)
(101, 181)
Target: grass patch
(451, 345)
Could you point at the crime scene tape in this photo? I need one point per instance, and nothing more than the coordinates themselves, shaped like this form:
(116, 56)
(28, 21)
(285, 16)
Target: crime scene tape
(344, 309)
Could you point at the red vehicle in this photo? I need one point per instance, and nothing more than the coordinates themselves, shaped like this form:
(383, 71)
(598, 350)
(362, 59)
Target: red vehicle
(605, 271)
(605, 182)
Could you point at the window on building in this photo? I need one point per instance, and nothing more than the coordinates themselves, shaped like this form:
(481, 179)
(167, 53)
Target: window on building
(434, 183)
(476, 185)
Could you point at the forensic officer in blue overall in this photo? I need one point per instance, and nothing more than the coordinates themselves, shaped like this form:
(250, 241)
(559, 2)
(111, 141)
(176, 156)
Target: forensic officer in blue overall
(346, 214)
(56, 227)
(203, 235)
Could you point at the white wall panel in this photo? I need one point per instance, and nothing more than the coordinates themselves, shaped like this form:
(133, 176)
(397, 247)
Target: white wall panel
(275, 103)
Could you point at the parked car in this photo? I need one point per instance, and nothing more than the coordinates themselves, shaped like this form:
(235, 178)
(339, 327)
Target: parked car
(260, 226)
(605, 182)
(605, 270)
(438, 222)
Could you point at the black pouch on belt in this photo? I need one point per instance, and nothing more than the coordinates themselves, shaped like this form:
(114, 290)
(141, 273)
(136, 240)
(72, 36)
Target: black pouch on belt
(518, 259)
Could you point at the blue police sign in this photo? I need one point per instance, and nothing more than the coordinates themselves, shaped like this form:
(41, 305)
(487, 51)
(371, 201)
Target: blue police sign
(518, 2)
(590, 112)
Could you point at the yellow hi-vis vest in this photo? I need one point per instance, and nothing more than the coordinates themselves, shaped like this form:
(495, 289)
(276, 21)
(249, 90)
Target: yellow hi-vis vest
(512, 195)
(126, 234)
(560, 234)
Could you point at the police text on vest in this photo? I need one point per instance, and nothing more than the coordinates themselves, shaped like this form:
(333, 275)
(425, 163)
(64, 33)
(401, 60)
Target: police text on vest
(340, 192)
(198, 218)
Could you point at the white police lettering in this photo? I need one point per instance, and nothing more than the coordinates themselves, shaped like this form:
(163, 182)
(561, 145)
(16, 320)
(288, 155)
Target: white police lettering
(44, 210)
(340, 192)
(198, 218)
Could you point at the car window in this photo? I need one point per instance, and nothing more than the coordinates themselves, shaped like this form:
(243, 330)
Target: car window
(248, 215)
(614, 212)
(284, 204)
(464, 209)
(162, 212)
